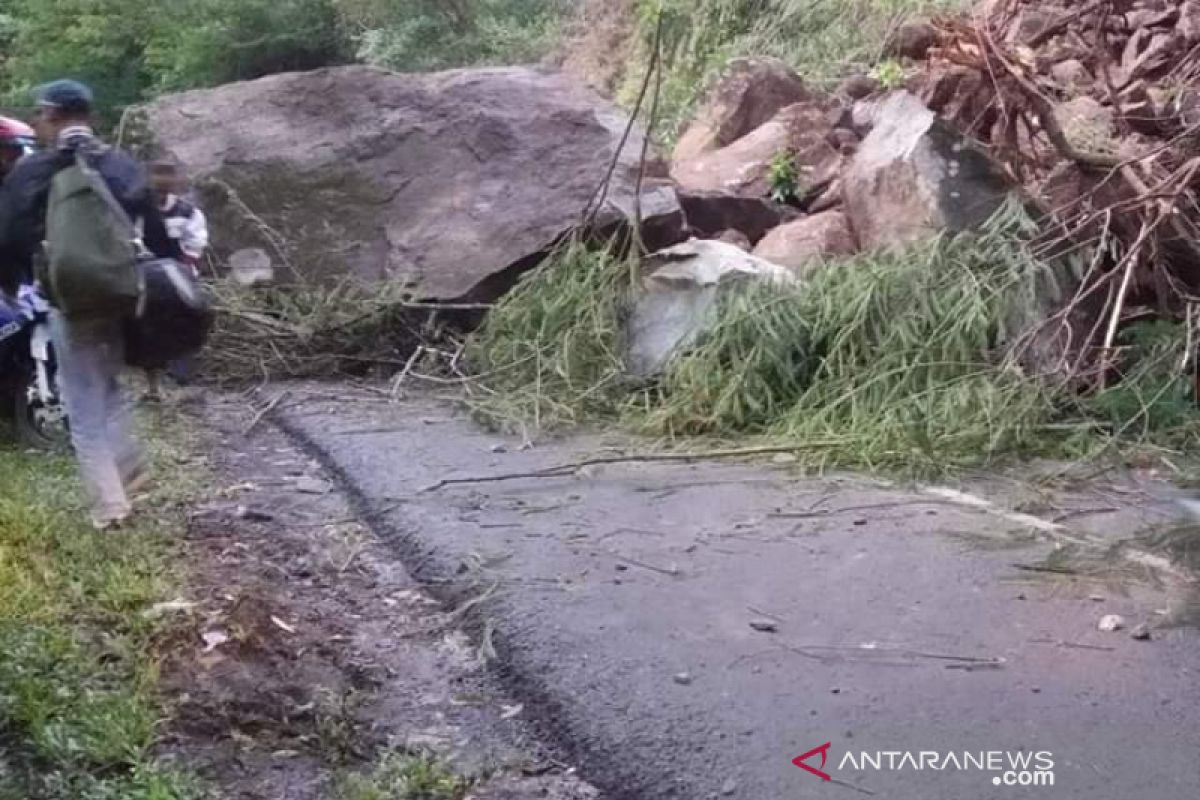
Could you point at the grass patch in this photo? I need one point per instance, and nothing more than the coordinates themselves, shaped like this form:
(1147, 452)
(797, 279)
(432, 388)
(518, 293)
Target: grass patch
(550, 352)
(404, 777)
(824, 40)
(78, 667)
(892, 361)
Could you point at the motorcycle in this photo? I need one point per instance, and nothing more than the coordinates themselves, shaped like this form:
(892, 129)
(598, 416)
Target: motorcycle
(28, 373)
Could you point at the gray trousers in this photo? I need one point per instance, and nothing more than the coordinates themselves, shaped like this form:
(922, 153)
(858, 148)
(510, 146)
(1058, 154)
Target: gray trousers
(91, 356)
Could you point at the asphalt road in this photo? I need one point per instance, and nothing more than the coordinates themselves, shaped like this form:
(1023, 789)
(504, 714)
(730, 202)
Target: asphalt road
(686, 631)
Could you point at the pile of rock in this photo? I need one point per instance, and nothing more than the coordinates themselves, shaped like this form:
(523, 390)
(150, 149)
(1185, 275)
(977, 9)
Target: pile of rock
(1086, 112)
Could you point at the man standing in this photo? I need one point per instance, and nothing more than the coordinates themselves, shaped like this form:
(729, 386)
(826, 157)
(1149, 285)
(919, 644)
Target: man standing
(89, 347)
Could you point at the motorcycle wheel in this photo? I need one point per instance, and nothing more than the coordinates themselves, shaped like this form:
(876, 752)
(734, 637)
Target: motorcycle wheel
(38, 425)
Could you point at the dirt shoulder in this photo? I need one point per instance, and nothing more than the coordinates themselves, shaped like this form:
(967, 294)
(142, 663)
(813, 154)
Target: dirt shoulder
(311, 655)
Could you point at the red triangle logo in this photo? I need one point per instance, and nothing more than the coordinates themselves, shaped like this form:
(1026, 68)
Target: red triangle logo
(823, 751)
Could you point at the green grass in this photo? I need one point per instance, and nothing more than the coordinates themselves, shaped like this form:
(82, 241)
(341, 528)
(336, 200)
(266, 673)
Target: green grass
(550, 352)
(78, 671)
(890, 361)
(824, 40)
(404, 777)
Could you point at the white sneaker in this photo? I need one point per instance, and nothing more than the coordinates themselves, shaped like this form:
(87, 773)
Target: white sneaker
(110, 521)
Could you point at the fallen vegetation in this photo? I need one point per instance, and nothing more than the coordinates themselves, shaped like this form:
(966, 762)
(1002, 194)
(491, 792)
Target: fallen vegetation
(896, 360)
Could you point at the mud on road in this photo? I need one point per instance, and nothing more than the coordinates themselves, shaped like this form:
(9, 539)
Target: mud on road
(310, 651)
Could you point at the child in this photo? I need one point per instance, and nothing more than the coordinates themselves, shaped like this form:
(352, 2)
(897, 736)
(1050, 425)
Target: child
(188, 230)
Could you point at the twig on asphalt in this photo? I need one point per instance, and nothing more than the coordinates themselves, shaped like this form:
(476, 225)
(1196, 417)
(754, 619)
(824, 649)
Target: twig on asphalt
(267, 409)
(563, 470)
(672, 572)
(1073, 645)
(804, 650)
(766, 614)
(855, 787)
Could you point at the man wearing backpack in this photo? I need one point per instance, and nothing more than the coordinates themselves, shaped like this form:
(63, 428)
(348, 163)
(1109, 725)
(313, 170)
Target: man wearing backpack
(81, 211)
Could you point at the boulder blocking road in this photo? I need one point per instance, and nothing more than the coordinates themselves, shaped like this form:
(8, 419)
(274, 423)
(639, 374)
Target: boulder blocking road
(687, 630)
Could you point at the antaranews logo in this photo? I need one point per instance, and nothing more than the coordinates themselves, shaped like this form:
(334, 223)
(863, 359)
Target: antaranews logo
(1006, 768)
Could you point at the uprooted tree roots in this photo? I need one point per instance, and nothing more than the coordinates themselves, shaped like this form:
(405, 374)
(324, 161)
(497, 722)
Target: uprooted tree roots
(1089, 108)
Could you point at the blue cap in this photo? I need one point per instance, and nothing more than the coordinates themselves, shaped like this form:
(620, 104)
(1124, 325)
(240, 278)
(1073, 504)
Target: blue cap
(68, 96)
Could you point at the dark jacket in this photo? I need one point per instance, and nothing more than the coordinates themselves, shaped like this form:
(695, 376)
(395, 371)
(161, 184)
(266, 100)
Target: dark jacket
(26, 192)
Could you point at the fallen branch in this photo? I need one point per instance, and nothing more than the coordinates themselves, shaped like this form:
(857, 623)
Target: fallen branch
(267, 409)
(562, 470)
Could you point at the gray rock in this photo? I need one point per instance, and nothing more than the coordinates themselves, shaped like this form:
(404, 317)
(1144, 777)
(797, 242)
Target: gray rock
(751, 92)
(743, 167)
(914, 177)
(251, 267)
(807, 243)
(679, 294)
(452, 182)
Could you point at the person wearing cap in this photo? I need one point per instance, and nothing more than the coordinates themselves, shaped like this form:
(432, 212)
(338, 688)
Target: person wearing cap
(90, 350)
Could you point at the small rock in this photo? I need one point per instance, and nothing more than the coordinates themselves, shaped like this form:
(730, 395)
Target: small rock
(1111, 622)
(683, 678)
(251, 267)
(729, 787)
(621, 567)
(171, 607)
(764, 626)
(737, 239)
(1141, 633)
(252, 515)
(499, 448)
(835, 690)
(1097, 598)
(912, 40)
(856, 87)
(308, 485)
(1071, 73)
(214, 639)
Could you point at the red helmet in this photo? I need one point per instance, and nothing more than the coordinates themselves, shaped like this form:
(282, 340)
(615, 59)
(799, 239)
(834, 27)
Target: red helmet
(14, 133)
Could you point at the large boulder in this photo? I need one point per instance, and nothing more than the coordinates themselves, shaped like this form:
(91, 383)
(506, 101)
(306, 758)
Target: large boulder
(453, 182)
(680, 290)
(807, 243)
(914, 177)
(744, 167)
(751, 92)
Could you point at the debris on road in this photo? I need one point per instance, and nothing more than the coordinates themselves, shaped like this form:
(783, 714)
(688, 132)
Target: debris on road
(1111, 622)
(1141, 633)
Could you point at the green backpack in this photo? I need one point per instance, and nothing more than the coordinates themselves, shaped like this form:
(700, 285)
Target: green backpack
(92, 246)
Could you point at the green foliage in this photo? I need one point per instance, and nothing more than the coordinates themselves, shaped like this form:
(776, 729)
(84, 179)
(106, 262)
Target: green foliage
(783, 176)
(890, 74)
(404, 777)
(551, 350)
(1153, 396)
(822, 39)
(438, 34)
(129, 49)
(885, 360)
(892, 360)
